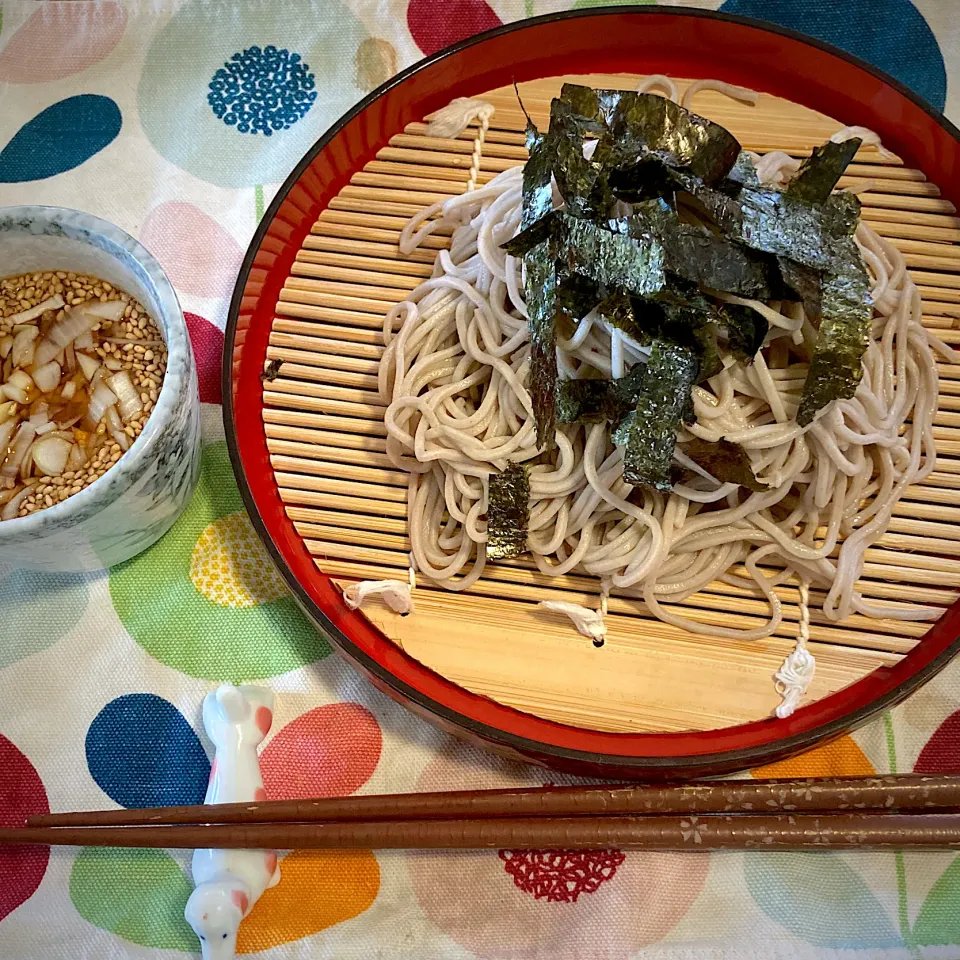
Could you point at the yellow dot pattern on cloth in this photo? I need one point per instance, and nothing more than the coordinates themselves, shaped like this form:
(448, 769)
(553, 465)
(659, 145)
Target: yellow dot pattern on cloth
(230, 567)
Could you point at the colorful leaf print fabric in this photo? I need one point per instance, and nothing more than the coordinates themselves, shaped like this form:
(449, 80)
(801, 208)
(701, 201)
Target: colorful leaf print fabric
(142, 751)
(178, 121)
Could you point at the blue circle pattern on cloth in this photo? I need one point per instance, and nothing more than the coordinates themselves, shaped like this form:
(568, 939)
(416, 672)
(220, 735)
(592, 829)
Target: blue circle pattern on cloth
(142, 752)
(262, 90)
(891, 34)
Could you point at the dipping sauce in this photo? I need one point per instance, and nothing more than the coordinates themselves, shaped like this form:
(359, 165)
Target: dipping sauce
(81, 366)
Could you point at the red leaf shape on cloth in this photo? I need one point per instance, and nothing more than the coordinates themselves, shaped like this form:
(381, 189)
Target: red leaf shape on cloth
(942, 752)
(60, 40)
(327, 752)
(436, 24)
(207, 343)
(21, 794)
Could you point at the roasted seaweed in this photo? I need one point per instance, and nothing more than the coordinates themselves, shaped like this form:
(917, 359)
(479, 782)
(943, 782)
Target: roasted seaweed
(726, 461)
(620, 311)
(819, 173)
(508, 513)
(593, 104)
(620, 433)
(805, 282)
(841, 214)
(746, 330)
(644, 124)
(664, 395)
(585, 401)
(689, 322)
(699, 220)
(582, 181)
(701, 256)
(743, 172)
(598, 400)
(681, 314)
(537, 193)
(769, 221)
(540, 292)
(576, 297)
(611, 260)
(847, 316)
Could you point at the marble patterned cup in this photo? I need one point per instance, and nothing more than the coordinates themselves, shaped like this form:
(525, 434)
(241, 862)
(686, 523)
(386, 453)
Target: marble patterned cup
(137, 500)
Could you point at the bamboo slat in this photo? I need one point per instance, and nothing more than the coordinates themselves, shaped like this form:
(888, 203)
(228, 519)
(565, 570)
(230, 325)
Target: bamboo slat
(324, 425)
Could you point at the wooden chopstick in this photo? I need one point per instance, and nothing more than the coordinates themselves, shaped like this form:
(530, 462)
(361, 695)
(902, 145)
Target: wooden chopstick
(714, 831)
(910, 792)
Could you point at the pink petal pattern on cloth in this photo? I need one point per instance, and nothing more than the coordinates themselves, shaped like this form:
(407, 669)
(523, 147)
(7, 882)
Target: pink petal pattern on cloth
(60, 40)
(475, 899)
(199, 256)
(330, 751)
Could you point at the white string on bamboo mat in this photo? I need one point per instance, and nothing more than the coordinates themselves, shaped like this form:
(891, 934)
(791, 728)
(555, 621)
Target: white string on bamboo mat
(396, 594)
(796, 674)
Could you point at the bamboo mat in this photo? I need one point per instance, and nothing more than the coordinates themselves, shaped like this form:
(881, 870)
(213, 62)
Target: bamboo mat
(324, 426)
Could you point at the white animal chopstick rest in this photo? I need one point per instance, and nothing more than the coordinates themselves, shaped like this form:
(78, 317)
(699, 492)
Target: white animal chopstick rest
(229, 882)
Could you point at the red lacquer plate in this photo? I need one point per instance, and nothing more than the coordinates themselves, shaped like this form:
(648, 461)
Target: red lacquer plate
(676, 42)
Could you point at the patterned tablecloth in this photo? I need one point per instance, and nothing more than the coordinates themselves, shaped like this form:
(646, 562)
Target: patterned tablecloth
(136, 113)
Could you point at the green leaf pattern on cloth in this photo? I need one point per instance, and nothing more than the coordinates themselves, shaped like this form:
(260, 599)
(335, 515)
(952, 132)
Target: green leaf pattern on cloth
(195, 600)
(939, 919)
(137, 894)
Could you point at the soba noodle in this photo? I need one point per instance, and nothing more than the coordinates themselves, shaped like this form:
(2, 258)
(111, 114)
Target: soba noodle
(454, 376)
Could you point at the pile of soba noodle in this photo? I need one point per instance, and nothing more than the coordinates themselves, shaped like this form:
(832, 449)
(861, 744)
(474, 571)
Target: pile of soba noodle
(454, 375)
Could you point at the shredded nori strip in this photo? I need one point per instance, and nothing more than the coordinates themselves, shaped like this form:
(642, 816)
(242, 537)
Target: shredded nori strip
(644, 273)
(746, 330)
(540, 293)
(769, 221)
(819, 173)
(271, 371)
(620, 434)
(645, 178)
(576, 297)
(703, 257)
(582, 183)
(619, 311)
(664, 395)
(688, 324)
(537, 192)
(841, 214)
(508, 510)
(805, 282)
(681, 314)
(644, 124)
(612, 260)
(585, 401)
(542, 229)
(597, 400)
(592, 104)
(726, 461)
(845, 327)
(743, 172)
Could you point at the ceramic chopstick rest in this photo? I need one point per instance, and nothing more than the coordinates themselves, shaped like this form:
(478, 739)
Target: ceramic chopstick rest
(229, 882)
